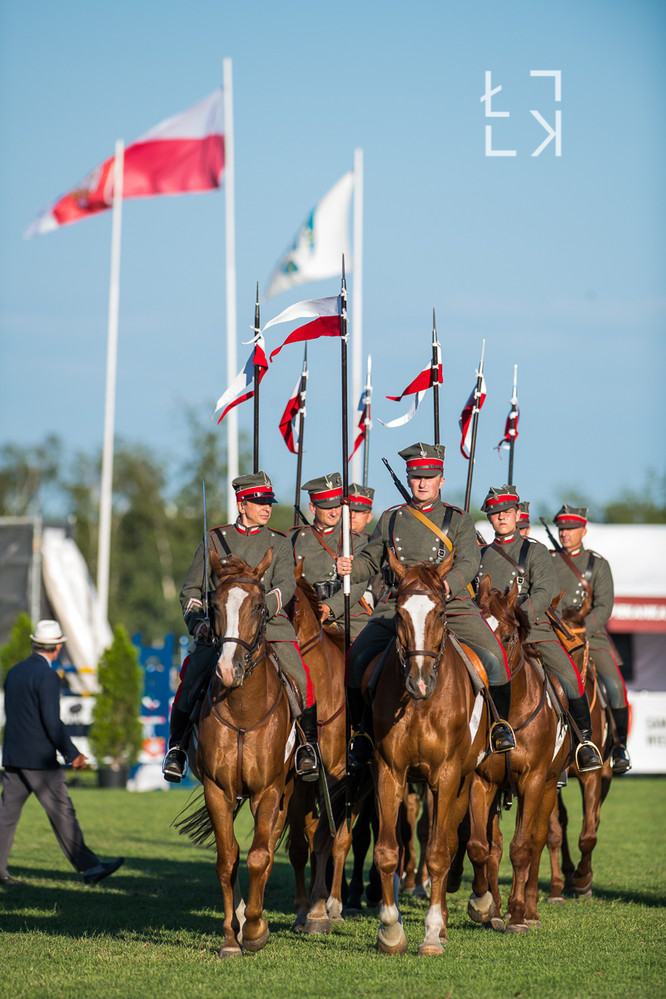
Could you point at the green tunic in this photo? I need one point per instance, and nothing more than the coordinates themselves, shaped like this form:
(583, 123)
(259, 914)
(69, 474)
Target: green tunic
(537, 583)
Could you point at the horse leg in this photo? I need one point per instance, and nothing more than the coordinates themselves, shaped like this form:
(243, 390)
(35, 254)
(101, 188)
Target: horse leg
(567, 862)
(554, 847)
(410, 815)
(448, 811)
(301, 804)
(391, 937)
(481, 907)
(222, 819)
(539, 839)
(341, 844)
(590, 785)
(269, 819)
(317, 920)
(520, 851)
(456, 869)
(361, 838)
(496, 849)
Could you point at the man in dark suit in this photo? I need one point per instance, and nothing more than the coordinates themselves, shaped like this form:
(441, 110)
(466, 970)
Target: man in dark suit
(33, 733)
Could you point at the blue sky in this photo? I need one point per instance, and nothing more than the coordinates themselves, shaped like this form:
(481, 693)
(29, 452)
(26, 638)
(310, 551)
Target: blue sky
(558, 262)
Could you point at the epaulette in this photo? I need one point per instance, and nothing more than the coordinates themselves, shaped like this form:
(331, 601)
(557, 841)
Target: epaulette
(274, 530)
(220, 528)
(456, 508)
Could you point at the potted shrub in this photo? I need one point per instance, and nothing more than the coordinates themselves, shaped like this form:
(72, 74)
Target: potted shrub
(116, 733)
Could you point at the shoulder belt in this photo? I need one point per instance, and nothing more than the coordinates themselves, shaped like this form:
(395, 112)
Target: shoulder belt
(522, 557)
(439, 533)
(217, 531)
(585, 577)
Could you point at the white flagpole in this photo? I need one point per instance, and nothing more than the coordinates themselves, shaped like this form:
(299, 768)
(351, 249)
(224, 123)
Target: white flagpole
(357, 303)
(230, 218)
(104, 543)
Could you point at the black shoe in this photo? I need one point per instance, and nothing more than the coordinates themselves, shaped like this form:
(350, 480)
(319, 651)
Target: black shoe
(588, 756)
(361, 750)
(306, 762)
(7, 879)
(620, 760)
(502, 739)
(174, 766)
(562, 780)
(96, 874)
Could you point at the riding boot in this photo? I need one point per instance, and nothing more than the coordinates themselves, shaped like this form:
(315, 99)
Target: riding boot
(361, 745)
(174, 766)
(588, 756)
(307, 756)
(620, 759)
(502, 738)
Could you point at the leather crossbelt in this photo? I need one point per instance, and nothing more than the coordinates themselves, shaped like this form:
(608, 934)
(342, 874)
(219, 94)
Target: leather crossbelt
(440, 534)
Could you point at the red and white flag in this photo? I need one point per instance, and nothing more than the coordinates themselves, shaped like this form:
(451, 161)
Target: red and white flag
(510, 427)
(327, 320)
(364, 422)
(417, 388)
(289, 421)
(472, 406)
(182, 154)
(232, 397)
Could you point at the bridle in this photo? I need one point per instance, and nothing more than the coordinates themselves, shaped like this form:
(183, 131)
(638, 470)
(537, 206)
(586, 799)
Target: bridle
(250, 659)
(404, 654)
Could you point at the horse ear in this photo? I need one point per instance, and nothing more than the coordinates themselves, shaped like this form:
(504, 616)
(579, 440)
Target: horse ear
(215, 563)
(396, 565)
(584, 609)
(512, 595)
(298, 568)
(444, 568)
(555, 602)
(484, 588)
(264, 564)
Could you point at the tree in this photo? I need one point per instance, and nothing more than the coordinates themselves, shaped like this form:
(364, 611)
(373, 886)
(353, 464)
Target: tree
(18, 647)
(116, 733)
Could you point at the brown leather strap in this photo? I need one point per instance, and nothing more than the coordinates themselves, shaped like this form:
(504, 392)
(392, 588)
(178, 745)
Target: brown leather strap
(576, 571)
(242, 732)
(436, 531)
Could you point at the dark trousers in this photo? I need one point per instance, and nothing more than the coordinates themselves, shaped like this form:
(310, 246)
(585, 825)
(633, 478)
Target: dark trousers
(50, 789)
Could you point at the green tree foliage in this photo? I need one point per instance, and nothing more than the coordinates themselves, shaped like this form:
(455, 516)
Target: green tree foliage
(27, 475)
(116, 733)
(645, 507)
(18, 647)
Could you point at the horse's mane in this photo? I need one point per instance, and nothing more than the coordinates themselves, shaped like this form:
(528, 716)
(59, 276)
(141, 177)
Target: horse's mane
(423, 573)
(497, 606)
(231, 568)
(573, 616)
(308, 591)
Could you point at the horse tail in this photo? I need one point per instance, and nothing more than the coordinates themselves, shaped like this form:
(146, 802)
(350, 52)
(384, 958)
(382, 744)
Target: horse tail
(194, 821)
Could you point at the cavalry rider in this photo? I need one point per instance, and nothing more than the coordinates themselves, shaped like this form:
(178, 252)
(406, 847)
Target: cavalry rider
(249, 538)
(320, 545)
(512, 558)
(524, 518)
(580, 571)
(360, 508)
(424, 530)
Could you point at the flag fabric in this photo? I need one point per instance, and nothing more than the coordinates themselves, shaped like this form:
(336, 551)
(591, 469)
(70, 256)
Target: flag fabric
(232, 397)
(289, 421)
(182, 154)
(364, 423)
(510, 428)
(418, 389)
(473, 404)
(327, 320)
(319, 244)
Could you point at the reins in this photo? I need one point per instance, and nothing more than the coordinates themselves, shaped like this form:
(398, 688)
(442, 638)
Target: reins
(404, 655)
(252, 646)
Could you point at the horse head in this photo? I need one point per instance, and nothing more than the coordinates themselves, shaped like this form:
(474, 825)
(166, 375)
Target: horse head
(420, 623)
(502, 610)
(239, 616)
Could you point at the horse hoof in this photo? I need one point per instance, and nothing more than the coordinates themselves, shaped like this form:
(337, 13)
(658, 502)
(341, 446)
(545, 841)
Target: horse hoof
(517, 928)
(420, 891)
(583, 893)
(555, 900)
(337, 920)
(534, 924)
(298, 926)
(497, 924)
(314, 926)
(351, 911)
(229, 951)
(481, 908)
(431, 950)
(253, 946)
(399, 948)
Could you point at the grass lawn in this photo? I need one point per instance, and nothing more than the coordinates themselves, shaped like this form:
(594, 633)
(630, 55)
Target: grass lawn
(153, 929)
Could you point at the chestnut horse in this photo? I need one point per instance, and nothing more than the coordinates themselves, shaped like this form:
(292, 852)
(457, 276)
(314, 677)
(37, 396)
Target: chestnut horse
(530, 771)
(429, 724)
(594, 785)
(244, 746)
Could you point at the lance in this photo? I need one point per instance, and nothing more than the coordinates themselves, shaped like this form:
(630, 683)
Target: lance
(513, 418)
(475, 421)
(205, 554)
(367, 422)
(346, 539)
(434, 378)
(298, 515)
(257, 372)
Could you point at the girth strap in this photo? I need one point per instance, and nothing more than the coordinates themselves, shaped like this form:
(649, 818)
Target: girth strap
(242, 732)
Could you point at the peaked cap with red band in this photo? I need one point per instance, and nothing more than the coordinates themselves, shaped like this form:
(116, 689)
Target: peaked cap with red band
(256, 488)
(571, 517)
(500, 499)
(524, 514)
(360, 498)
(326, 491)
(424, 460)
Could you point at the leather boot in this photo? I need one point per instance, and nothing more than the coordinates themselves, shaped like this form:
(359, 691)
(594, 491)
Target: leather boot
(588, 756)
(174, 766)
(620, 759)
(307, 756)
(502, 738)
(361, 746)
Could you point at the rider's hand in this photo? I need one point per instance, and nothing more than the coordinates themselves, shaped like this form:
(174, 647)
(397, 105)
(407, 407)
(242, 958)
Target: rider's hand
(343, 564)
(202, 631)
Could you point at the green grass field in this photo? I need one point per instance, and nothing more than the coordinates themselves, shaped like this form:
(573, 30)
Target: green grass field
(153, 929)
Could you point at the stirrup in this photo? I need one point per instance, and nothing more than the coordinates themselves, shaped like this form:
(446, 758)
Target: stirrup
(620, 760)
(505, 731)
(174, 765)
(307, 769)
(595, 764)
(361, 750)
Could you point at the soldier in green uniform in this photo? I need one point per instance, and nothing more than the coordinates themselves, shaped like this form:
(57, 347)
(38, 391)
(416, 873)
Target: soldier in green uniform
(524, 519)
(360, 508)
(415, 532)
(249, 538)
(320, 545)
(578, 572)
(511, 557)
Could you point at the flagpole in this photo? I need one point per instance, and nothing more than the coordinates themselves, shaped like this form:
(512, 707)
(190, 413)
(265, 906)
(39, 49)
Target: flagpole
(512, 422)
(475, 420)
(106, 487)
(257, 370)
(367, 421)
(346, 546)
(357, 305)
(230, 254)
(434, 380)
(301, 434)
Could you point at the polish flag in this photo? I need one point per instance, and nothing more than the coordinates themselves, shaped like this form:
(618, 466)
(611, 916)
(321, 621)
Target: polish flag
(182, 154)
(289, 421)
(510, 428)
(418, 389)
(327, 320)
(364, 422)
(232, 397)
(472, 406)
